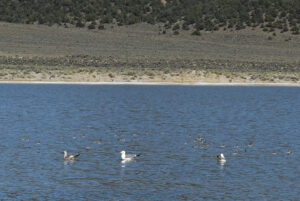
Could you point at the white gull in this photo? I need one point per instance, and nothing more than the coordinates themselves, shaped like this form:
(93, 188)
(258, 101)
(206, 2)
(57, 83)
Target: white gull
(70, 157)
(128, 157)
(221, 158)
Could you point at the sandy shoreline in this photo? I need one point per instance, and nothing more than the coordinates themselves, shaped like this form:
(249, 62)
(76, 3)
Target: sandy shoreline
(154, 83)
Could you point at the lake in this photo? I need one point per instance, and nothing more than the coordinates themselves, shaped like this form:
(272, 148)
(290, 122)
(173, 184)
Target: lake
(178, 130)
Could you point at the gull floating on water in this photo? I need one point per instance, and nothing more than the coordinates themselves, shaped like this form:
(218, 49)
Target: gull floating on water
(128, 157)
(288, 152)
(70, 157)
(221, 158)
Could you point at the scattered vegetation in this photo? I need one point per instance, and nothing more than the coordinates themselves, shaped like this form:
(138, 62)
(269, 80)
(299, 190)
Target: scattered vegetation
(208, 15)
(196, 33)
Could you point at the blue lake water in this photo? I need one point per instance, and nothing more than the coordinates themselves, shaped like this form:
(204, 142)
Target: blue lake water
(178, 130)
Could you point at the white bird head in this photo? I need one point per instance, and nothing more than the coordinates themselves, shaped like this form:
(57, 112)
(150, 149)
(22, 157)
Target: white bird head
(123, 153)
(65, 154)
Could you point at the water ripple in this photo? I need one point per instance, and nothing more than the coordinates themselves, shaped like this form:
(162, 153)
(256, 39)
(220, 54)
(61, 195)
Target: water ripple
(177, 130)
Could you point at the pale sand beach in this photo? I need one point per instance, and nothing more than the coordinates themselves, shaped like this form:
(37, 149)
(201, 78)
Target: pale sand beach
(283, 84)
(186, 77)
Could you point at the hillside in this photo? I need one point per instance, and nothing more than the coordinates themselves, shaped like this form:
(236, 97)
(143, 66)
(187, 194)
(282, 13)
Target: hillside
(137, 53)
(176, 15)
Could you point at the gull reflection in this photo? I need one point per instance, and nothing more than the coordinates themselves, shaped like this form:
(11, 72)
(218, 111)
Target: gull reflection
(68, 162)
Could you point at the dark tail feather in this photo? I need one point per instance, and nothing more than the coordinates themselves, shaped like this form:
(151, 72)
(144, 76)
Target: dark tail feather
(138, 155)
(77, 155)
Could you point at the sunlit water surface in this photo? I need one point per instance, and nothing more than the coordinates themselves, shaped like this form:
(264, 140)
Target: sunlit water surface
(178, 130)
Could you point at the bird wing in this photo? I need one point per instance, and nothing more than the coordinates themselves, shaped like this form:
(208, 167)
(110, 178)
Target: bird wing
(132, 155)
(72, 157)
